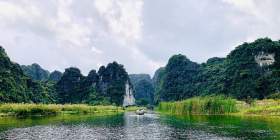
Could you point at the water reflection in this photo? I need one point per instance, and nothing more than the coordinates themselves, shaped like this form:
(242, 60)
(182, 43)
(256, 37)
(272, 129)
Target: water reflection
(149, 126)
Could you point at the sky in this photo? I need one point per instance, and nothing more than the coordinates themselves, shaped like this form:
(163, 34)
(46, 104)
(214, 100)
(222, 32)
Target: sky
(140, 34)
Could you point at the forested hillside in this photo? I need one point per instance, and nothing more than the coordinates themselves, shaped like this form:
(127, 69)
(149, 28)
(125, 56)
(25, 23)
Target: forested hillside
(16, 86)
(36, 71)
(252, 70)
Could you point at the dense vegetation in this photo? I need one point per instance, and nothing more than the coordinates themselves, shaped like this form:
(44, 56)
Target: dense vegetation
(36, 71)
(239, 74)
(103, 88)
(16, 86)
(55, 76)
(200, 105)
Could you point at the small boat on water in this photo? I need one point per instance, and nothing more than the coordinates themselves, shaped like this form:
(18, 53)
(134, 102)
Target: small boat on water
(140, 111)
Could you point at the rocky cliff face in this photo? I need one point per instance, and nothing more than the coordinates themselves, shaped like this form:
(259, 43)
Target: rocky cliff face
(264, 59)
(128, 96)
(111, 85)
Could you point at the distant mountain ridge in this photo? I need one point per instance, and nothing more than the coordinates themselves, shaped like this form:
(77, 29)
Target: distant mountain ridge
(251, 70)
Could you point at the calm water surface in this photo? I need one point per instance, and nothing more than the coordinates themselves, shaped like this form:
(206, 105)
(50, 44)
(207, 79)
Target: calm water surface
(149, 126)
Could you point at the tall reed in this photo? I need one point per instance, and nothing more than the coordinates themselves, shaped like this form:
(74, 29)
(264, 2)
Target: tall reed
(219, 104)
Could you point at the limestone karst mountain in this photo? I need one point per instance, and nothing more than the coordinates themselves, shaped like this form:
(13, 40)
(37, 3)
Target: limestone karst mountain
(110, 85)
(250, 70)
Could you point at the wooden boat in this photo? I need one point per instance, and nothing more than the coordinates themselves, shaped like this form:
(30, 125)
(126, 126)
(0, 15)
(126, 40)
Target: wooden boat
(140, 111)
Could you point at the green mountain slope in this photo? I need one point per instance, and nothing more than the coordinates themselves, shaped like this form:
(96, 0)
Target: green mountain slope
(17, 87)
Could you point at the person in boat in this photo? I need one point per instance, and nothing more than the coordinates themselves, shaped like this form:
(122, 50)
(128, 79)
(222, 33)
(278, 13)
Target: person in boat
(141, 111)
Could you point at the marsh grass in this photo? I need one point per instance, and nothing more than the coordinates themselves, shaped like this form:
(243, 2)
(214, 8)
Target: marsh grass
(220, 104)
(21, 109)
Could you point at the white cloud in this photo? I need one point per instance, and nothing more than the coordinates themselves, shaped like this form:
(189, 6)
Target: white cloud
(10, 11)
(93, 49)
(141, 34)
(102, 5)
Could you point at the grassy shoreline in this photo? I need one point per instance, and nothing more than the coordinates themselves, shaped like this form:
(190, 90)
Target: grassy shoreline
(22, 109)
(220, 105)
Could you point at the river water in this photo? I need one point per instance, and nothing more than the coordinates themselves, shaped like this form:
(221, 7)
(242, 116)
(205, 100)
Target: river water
(128, 125)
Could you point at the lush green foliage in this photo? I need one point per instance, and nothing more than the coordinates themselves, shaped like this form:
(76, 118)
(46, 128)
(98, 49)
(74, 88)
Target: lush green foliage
(17, 87)
(36, 71)
(200, 105)
(55, 76)
(238, 75)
